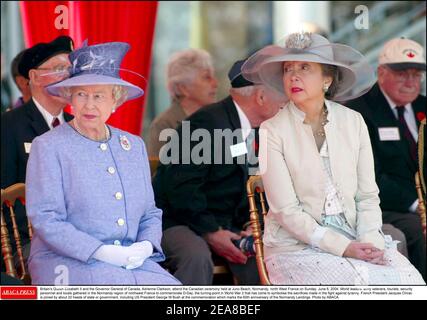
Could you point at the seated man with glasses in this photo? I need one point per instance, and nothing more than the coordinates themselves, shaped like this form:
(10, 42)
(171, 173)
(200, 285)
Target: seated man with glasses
(393, 110)
(42, 64)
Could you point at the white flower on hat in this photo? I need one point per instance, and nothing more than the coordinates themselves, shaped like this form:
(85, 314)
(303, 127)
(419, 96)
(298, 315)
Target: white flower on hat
(300, 40)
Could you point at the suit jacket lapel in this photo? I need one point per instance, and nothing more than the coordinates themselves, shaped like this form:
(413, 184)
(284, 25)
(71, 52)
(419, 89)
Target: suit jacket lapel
(68, 117)
(419, 107)
(385, 117)
(37, 121)
(331, 130)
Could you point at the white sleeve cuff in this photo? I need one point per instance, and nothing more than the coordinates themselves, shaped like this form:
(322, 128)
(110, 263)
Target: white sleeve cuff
(317, 236)
(414, 206)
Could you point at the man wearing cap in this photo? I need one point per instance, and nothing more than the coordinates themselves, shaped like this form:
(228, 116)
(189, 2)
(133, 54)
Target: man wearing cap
(392, 110)
(204, 204)
(42, 64)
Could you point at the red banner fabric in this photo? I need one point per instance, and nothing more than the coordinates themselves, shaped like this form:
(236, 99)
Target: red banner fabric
(100, 21)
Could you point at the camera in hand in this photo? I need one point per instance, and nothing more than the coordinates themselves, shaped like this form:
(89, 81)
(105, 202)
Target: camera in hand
(246, 245)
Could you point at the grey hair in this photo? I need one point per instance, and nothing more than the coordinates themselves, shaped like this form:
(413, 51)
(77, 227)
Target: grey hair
(244, 91)
(183, 66)
(65, 92)
(120, 94)
(332, 71)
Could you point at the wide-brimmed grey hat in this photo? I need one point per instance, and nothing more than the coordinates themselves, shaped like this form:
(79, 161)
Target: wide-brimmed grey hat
(97, 65)
(355, 78)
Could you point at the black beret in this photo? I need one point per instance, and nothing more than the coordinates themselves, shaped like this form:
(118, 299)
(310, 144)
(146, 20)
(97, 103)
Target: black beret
(41, 52)
(235, 75)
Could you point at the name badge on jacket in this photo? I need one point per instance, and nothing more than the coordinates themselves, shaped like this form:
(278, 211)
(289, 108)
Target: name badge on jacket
(389, 134)
(27, 146)
(238, 149)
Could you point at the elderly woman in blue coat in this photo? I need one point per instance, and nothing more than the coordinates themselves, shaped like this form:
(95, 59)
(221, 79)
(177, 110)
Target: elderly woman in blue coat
(89, 194)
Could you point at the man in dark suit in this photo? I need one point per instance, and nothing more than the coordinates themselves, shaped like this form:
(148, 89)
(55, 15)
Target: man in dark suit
(392, 110)
(21, 82)
(42, 64)
(203, 192)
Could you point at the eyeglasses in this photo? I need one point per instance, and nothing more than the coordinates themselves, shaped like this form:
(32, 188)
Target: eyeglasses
(58, 71)
(82, 97)
(405, 75)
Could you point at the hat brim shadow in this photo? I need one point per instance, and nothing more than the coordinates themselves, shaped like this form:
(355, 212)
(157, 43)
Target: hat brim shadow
(57, 89)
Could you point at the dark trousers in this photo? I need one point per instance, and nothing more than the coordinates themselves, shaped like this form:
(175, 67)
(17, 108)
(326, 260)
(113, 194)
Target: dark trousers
(189, 259)
(8, 280)
(410, 225)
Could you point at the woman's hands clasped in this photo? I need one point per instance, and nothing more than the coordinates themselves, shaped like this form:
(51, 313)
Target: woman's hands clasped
(365, 251)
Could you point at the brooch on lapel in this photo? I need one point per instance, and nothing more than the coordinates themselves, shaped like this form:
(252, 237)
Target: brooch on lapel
(124, 142)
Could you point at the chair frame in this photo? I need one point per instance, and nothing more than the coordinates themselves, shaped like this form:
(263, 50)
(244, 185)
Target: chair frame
(420, 184)
(255, 185)
(421, 202)
(9, 196)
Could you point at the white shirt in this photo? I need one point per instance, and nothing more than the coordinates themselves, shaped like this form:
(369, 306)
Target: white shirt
(408, 115)
(47, 116)
(248, 136)
(244, 121)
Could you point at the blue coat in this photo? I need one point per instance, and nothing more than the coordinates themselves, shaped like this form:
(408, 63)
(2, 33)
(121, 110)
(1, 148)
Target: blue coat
(82, 194)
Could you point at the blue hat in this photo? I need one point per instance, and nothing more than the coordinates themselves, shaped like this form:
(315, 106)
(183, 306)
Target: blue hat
(97, 65)
(235, 75)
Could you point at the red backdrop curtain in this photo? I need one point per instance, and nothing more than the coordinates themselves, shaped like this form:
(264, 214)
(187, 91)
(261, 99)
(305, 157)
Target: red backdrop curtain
(100, 21)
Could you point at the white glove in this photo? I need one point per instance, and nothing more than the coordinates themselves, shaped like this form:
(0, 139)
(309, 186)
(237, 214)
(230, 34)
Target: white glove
(124, 256)
(146, 249)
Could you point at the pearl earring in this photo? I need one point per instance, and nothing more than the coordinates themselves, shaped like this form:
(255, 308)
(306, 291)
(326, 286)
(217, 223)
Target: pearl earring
(325, 88)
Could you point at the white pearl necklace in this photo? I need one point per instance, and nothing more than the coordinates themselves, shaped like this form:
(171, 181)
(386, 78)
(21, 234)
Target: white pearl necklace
(107, 132)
